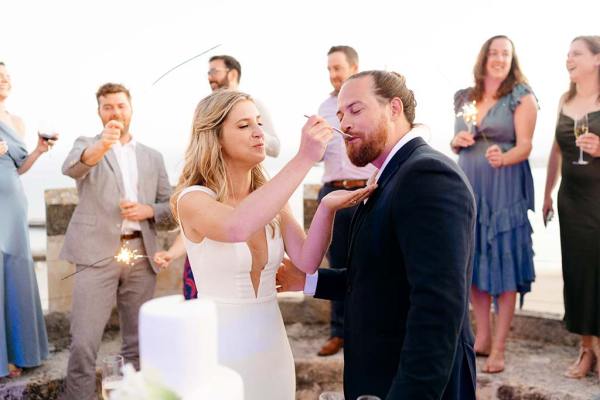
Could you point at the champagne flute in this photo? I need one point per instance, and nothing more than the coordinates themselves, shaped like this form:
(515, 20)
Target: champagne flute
(112, 374)
(367, 397)
(580, 127)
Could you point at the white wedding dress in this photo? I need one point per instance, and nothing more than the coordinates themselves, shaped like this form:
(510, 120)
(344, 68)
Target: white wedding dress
(251, 335)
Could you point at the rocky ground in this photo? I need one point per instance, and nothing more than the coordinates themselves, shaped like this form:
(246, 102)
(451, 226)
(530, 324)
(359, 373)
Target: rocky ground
(537, 355)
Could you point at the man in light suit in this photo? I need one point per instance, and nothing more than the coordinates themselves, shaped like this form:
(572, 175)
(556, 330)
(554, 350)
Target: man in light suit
(409, 264)
(123, 191)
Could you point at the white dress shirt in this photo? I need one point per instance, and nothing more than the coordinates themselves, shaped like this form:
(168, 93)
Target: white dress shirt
(310, 286)
(125, 155)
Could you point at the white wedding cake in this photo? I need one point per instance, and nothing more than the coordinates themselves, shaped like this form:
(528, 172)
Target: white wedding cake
(178, 346)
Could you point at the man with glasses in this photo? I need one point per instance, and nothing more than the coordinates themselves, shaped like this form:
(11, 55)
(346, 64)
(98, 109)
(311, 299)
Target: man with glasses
(225, 72)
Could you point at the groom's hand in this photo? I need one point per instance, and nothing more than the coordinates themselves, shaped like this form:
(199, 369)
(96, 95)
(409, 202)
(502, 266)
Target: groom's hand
(289, 278)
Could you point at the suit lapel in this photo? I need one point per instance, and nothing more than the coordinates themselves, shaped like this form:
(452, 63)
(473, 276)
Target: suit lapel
(390, 169)
(111, 160)
(142, 165)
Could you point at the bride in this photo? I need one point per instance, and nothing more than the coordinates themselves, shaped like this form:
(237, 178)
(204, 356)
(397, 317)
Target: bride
(236, 226)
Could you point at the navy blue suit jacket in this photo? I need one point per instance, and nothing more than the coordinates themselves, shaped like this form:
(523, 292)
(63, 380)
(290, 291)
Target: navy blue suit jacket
(406, 285)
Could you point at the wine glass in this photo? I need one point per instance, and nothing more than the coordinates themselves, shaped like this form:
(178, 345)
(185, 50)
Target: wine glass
(112, 374)
(46, 130)
(331, 396)
(580, 127)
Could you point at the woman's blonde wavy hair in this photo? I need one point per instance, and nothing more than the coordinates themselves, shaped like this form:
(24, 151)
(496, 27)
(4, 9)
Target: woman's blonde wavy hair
(204, 162)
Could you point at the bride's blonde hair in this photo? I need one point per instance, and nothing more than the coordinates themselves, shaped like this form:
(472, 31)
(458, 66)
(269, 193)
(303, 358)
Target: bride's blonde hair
(204, 163)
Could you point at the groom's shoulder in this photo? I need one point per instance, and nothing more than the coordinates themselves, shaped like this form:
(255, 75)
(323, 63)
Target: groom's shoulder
(427, 157)
(426, 166)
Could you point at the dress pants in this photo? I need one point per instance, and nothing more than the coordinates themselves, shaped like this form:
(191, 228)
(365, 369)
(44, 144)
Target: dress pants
(94, 295)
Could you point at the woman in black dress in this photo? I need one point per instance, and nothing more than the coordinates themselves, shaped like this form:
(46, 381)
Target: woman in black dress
(579, 199)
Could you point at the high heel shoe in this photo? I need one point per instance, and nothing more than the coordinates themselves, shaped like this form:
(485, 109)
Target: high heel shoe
(596, 350)
(583, 365)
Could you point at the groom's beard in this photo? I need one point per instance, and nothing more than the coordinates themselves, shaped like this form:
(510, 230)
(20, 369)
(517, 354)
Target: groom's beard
(372, 144)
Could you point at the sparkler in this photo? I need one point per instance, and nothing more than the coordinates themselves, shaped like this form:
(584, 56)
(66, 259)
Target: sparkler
(125, 256)
(469, 113)
(185, 62)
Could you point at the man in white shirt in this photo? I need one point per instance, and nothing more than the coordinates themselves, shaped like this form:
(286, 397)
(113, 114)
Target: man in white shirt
(123, 191)
(340, 173)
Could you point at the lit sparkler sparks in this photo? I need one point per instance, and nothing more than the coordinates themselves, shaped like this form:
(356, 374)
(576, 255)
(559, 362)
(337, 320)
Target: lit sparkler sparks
(469, 114)
(125, 256)
(128, 256)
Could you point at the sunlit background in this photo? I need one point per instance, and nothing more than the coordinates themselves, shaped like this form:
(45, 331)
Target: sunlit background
(59, 52)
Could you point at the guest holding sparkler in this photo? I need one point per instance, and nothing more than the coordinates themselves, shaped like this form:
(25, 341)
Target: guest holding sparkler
(23, 340)
(575, 155)
(123, 191)
(493, 133)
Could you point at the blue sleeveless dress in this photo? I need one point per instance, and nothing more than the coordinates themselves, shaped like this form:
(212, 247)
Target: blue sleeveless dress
(23, 339)
(503, 259)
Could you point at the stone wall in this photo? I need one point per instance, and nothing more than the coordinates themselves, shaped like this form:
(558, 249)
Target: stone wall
(60, 204)
(309, 202)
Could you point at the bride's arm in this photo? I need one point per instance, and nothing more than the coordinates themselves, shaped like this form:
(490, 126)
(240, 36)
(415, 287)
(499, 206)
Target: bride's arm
(307, 250)
(206, 217)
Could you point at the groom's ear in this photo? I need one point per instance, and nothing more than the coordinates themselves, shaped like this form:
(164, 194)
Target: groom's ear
(396, 107)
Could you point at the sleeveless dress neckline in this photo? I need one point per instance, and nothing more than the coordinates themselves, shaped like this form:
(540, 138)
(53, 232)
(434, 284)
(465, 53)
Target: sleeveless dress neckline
(252, 337)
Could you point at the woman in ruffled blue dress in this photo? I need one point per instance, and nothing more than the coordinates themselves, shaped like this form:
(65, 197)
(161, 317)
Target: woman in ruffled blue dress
(493, 154)
(23, 340)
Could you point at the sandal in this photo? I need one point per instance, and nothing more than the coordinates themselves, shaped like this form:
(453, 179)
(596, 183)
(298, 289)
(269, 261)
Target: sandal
(583, 365)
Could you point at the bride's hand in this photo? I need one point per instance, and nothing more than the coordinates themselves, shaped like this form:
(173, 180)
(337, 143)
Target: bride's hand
(3, 147)
(339, 199)
(316, 133)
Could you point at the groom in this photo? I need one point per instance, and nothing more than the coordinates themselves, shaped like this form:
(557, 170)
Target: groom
(408, 268)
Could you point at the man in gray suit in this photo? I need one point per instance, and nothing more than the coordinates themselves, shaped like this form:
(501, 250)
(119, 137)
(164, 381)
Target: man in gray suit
(123, 191)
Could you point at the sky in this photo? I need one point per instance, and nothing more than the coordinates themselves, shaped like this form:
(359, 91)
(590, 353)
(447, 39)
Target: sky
(60, 52)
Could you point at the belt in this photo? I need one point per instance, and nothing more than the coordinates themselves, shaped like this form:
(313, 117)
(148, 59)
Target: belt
(132, 235)
(348, 183)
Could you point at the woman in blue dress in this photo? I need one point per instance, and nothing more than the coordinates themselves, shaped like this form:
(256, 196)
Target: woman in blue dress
(493, 154)
(23, 340)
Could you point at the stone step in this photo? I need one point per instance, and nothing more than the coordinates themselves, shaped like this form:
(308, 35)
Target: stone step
(534, 371)
(538, 352)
